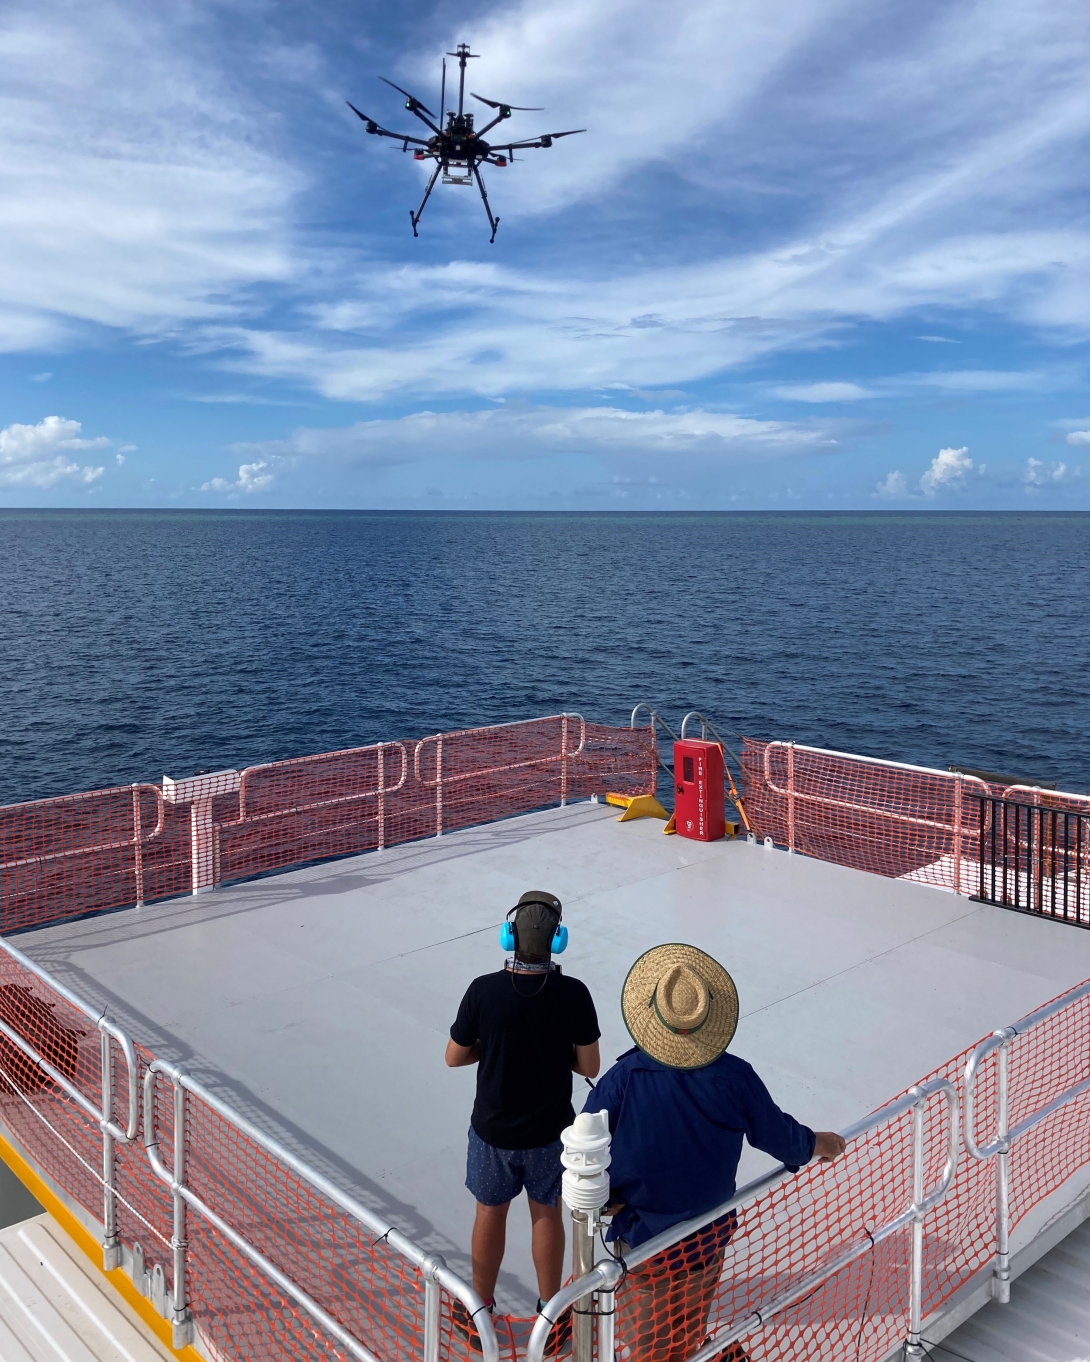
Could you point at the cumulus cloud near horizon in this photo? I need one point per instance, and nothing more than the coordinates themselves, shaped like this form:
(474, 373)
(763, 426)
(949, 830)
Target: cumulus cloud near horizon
(948, 470)
(258, 476)
(41, 455)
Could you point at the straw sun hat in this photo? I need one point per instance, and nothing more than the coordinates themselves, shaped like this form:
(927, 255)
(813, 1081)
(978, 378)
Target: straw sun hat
(680, 1006)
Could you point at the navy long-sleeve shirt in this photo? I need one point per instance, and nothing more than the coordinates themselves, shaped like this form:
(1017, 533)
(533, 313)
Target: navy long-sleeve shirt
(677, 1137)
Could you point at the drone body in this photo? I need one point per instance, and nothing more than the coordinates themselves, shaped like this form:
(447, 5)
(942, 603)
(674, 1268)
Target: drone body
(458, 149)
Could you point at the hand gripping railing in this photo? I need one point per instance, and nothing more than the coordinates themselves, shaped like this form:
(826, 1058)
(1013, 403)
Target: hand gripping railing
(999, 1146)
(793, 796)
(440, 781)
(103, 1116)
(606, 1275)
(380, 791)
(431, 1266)
(137, 841)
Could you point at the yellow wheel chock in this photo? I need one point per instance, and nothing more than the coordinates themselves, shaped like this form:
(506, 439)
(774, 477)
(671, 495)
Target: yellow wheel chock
(637, 806)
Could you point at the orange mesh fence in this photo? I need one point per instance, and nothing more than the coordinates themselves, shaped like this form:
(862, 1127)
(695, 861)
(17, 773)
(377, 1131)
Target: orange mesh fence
(890, 819)
(80, 853)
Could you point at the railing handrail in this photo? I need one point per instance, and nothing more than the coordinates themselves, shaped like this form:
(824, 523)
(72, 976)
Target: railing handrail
(380, 789)
(139, 838)
(428, 1263)
(429, 783)
(1038, 803)
(992, 1043)
(102, 1023)
(957, 778)
(606, 1274)
(656, 718)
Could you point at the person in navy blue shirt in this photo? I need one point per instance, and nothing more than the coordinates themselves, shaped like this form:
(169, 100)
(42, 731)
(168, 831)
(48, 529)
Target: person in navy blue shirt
(679, 1108)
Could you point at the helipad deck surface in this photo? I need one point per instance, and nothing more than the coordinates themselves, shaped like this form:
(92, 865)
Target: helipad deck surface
(319, 1002)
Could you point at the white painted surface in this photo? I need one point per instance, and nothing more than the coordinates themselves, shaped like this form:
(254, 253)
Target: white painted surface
(54, 1307)
(319, 1002)
(1047, 1319)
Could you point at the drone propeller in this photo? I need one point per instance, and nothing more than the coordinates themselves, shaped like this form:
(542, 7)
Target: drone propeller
(412, 98)
(374, 127)
(498, 104)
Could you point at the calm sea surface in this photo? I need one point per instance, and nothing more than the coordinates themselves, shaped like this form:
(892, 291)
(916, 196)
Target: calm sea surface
(138, 643)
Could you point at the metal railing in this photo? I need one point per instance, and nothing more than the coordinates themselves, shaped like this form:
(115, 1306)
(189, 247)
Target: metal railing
(137, 841)
(295, 764)
(102, 1115)
(431, 1266)
(1035, 858)
(442, 781)
(606, 1276)
(999, 1146)
(793, 796)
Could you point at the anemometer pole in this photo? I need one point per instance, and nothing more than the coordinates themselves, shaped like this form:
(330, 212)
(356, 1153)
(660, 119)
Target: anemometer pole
(463, 54)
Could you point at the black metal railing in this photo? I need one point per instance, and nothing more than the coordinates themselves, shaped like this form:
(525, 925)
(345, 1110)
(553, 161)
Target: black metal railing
(1035, 858)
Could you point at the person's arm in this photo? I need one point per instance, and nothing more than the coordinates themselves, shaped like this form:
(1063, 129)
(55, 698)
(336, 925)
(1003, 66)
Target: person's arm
(458, 1056)
(776, 1133)
(587, 1060)
(464, 1045)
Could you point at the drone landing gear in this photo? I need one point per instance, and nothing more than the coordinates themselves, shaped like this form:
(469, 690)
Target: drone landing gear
(415, 217)
(494, 223)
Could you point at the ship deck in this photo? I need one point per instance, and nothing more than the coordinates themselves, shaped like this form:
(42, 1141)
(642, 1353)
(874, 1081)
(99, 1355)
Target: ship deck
(318, 1001)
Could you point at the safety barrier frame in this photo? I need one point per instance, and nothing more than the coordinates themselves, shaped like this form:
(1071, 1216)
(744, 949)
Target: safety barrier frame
(1046, 839)
(103, 1115)
(441, 781)
(137, 841)
(999, 1146)
(606, 1276)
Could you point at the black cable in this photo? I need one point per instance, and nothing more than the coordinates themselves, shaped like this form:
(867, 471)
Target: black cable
(866, 1298)
(927, 1346)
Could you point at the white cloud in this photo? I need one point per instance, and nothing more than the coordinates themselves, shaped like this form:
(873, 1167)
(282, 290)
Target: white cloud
(252, 477)
(1078, 437)
(1041, 474)
(41, 456)
(939, 340)
(521, 432)
(823, 392)
(140, 189)
(892, 485)
(948, 470)
(120, 459)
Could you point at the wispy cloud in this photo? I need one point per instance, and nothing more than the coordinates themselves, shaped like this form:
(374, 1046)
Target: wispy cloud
(252, 477)
(893, 486)
(1040, 473)
(41, 455)
(1078, 437)
(823, 392)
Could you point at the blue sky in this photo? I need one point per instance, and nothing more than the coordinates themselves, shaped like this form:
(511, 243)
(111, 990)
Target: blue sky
(809, 254)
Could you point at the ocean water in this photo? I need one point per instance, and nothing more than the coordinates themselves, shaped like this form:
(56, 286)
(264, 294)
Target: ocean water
(134, 643)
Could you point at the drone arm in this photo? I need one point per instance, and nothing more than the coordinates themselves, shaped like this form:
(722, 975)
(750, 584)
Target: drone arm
(545, 140)
(498, 119)
(424, 118)
(380, 131)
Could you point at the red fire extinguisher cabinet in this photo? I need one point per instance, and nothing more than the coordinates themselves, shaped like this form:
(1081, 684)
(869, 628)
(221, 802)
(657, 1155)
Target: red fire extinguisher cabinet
(698, 790)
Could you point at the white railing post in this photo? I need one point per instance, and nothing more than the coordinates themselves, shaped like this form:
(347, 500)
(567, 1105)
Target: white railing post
(111, 1243)
(181, 1324)
(199, 792)
(563, 760)
(791, 798)
(439, 786)
(430, 1269)
(958, 825)
(381, 803)
(1001, 1281)
(914, 1347)
(138, 848)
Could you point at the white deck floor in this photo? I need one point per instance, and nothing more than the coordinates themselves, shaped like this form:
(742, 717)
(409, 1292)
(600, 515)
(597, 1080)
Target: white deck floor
(319, 1001)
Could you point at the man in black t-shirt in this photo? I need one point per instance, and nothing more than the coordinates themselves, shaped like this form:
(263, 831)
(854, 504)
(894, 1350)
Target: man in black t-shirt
(529, 1027)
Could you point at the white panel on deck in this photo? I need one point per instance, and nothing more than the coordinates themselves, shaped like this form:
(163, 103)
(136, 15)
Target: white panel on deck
(54, 1307)
(1047, 1319)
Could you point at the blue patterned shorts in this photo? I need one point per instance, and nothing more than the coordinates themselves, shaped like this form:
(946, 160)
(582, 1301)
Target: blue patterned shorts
(496, 1176)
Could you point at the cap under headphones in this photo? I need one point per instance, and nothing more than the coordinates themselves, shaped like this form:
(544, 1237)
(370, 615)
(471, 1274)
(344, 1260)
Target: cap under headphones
(535, 937)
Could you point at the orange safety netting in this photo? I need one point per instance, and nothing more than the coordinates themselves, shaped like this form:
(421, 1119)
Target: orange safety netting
(103, 849)
(721, 1277)
(889, 819)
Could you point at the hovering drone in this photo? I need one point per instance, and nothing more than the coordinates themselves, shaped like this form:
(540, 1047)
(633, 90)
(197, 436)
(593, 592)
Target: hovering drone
(457, 150)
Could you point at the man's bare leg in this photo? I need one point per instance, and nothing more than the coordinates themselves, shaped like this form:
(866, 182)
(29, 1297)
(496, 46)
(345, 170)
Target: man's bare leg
(547, 1245)
(487, 1246)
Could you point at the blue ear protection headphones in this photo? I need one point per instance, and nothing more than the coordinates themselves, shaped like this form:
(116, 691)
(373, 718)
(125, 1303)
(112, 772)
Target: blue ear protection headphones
(509, 933)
